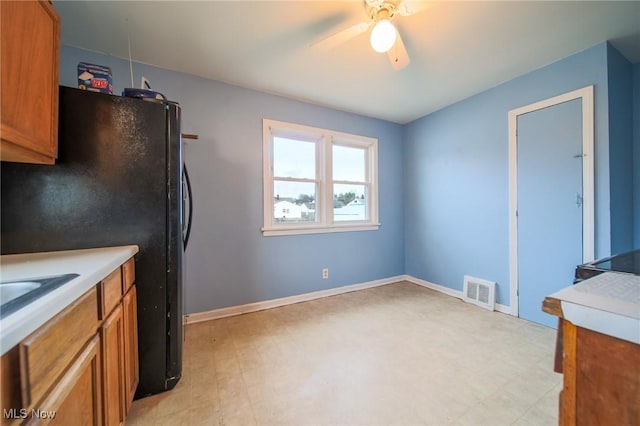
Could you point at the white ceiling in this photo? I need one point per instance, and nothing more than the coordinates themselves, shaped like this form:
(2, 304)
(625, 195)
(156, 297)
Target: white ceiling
(457, 49)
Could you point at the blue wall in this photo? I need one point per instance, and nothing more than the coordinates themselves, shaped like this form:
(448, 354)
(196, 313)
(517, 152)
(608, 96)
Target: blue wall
(620, 73)
(636, 154)
(228, 261)
(456, 175)
(443, 182)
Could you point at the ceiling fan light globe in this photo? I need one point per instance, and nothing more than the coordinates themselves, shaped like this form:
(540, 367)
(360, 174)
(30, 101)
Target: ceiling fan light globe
(383, 36)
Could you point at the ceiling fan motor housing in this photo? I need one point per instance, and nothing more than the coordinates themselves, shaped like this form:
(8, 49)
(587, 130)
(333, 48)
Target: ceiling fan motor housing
(383, 11)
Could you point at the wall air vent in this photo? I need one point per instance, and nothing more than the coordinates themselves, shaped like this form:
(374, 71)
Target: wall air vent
(480, 292)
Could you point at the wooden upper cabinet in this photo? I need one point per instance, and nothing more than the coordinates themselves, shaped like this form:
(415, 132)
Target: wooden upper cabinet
(29, 62)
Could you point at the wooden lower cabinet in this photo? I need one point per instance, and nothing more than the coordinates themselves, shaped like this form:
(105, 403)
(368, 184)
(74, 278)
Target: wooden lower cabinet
(76, 399)
(112, 334)
(601, 383)
(48, 351)
(131, 376)
(119, 333)
(81, 367)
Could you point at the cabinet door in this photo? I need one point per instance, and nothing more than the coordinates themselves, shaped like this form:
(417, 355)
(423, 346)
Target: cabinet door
(30, 34)
(607, 380)
(112, 333)
(76, 398)
(130, 345)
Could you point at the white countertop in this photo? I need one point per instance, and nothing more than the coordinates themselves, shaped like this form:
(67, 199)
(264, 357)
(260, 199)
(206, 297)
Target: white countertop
(92, 265)
(608, 303)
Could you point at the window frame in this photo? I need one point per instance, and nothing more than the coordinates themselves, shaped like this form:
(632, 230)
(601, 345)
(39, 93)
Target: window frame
(324, 141)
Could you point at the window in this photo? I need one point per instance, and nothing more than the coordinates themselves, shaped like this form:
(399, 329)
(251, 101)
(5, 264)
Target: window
(318, 180)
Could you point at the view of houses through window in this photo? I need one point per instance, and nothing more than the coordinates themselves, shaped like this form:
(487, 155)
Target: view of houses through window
(317, 178)
(346, 206)
(295, 184)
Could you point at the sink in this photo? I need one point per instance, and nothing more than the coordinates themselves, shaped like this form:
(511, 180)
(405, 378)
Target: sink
(15, 295)
(11, 290)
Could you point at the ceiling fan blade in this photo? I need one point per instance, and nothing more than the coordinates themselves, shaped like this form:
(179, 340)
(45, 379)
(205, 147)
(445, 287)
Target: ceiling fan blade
(398, 55)
(410, 7)
(342, 36)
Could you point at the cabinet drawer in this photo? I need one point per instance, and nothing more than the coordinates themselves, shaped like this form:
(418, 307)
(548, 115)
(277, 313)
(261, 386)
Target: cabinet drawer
(110, 292)
(47, 352)
(128, 275)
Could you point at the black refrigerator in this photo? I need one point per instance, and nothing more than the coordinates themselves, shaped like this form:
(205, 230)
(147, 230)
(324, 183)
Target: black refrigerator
(118, 180)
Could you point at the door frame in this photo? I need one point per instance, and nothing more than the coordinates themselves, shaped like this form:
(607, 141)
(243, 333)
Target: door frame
(588, 207)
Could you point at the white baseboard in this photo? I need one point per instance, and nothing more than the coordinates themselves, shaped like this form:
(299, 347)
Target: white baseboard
(503, 309)
(274, 303)
(450, 292)
(437, 287)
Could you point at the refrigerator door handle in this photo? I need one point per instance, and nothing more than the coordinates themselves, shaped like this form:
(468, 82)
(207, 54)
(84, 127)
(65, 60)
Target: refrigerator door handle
(187, 182)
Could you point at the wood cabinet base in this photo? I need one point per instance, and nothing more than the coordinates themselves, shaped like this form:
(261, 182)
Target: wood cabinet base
(601, 379)
(81, 366)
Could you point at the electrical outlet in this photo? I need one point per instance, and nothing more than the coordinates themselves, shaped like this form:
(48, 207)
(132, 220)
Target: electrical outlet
(325, 273)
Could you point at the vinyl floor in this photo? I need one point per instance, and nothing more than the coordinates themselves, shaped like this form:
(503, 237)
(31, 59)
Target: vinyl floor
(398, 354)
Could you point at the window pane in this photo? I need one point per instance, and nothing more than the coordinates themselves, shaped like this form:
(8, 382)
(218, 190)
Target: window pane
(348, 163)
(349, 202)
(294, 202)
(292, 158)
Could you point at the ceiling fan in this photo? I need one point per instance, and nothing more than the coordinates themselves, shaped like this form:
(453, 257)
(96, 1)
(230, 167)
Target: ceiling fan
(384, 35)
